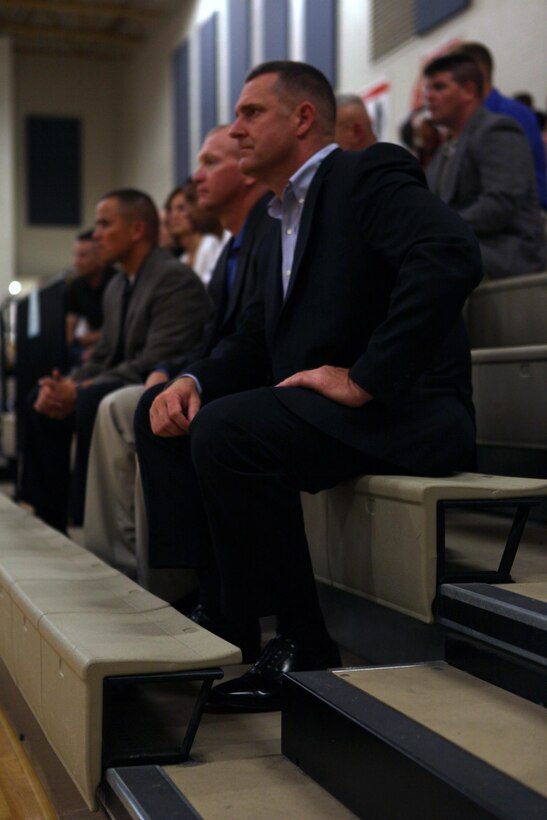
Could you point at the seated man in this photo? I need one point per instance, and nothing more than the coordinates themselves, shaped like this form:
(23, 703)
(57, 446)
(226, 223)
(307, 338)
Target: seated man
(154, 308)
(484, 170)
(109, 524)
(352, 359)
(84, 297)
(496, 102)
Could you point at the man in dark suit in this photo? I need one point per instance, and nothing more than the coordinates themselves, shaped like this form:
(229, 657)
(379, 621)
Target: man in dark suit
(112, 510)
(485, 169)
(353, 360)
(154, 308)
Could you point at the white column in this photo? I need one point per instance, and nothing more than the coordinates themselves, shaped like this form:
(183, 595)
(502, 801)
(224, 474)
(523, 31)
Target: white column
(7, 167)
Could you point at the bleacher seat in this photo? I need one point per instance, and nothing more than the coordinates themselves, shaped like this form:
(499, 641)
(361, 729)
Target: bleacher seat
(508, 312)
(69, 623)
(378, 537)
(510, 395)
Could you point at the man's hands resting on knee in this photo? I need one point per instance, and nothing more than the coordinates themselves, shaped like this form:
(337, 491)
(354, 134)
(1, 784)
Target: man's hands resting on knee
(173, 409)
(332, 382)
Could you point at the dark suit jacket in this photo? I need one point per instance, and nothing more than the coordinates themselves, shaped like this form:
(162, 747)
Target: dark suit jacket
(228, 309)
(381, 271)
(491, 183)
(167, 310)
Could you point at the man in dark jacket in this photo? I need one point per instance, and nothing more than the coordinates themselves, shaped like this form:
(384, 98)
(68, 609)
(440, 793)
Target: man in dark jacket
(352, 360)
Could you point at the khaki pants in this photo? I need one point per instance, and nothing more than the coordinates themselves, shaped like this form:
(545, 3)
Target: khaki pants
(115, 526)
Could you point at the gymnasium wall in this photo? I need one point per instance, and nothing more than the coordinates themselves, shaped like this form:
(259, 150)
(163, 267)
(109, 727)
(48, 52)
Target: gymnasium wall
(127, 108)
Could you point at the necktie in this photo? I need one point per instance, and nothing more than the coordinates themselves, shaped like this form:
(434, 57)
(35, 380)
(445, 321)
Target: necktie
(231, 266)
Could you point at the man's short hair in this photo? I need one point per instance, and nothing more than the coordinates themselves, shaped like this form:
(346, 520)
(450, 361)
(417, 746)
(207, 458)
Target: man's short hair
(136, 204)
(349, 99)
(479, 53)
(301, 80)
(464, 69)
(85, 236)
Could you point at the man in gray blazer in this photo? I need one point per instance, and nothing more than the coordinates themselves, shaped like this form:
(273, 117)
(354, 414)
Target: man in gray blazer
(485, 170)
(155, 307)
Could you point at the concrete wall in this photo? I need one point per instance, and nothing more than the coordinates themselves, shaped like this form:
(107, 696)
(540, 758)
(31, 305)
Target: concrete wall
(66, 88)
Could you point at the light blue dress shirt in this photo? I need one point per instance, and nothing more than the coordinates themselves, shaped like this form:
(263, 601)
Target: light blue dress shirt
(288, 208)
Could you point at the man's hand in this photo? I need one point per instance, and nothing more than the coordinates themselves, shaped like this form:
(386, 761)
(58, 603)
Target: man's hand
(173, 410)
(56, 397)
(332, 382)
(155, 377)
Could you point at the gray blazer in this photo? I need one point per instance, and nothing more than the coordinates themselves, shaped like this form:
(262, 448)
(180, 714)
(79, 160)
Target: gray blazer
(490, 182)
(167, 310)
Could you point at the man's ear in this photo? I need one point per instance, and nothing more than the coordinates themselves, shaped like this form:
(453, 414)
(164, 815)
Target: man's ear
(306, 115)
(471, 90)
(138, 229)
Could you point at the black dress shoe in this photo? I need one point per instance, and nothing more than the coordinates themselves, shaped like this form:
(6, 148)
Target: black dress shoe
(249, 642)
(259, 689)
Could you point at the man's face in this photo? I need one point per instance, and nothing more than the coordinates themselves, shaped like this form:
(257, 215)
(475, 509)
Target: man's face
(86, 260)
(113, 232)
(265, 129)
(445, 98)
(218, 178)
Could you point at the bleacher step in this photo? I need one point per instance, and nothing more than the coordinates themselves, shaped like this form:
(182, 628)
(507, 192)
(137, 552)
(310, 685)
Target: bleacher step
(499, 633)
(424, 740)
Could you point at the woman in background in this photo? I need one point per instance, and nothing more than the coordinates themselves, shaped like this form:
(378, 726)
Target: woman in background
(197, 234)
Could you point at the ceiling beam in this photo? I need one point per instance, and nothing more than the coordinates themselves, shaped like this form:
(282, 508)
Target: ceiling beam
(74, 53)
(93, 9)
(70, 35)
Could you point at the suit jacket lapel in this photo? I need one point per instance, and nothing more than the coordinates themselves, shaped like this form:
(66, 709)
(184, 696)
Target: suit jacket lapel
(141, 286)
(454, 167)
(249, 240)
(241, 267)
(307, 218)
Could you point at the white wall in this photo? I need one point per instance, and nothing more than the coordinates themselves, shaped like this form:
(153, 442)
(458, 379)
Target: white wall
(7, 165)
(67, 87)
(147, 127)
(127, 107)
(514, 31)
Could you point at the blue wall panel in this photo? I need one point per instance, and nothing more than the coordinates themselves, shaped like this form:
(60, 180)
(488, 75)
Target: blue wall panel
(275, 33)
(430, 13)
(182, 109)
(320, 36)
(208, 74)
(239, 47)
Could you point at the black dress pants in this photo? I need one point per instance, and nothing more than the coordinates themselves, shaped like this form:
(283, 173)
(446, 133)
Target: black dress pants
(178, 533)
(45, 481)
(252, 457)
